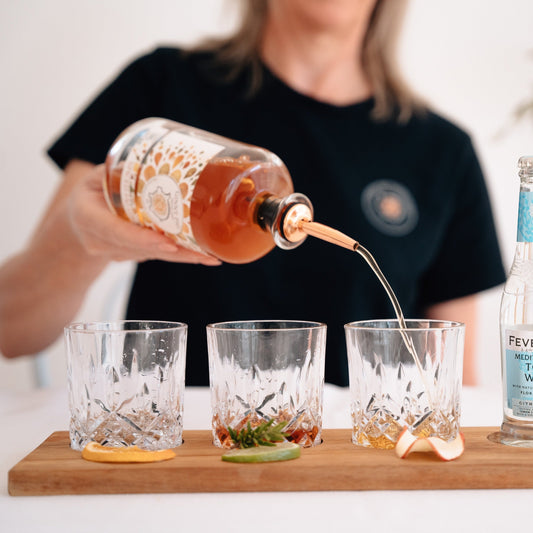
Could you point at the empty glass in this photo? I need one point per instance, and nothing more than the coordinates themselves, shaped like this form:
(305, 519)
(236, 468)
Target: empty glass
(126, 382)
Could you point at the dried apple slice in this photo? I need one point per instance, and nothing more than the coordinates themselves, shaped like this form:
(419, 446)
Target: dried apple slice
(405, 442)
(445, 450)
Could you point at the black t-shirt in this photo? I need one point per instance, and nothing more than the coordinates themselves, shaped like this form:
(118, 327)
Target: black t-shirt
(413, 194)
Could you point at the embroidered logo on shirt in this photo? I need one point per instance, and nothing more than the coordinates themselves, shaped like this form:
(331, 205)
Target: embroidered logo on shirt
(390, 207)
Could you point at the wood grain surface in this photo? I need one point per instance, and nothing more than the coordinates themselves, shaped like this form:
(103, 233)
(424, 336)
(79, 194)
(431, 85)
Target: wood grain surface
(336, 464)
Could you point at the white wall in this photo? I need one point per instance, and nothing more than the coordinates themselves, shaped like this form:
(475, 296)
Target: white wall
(469, 58)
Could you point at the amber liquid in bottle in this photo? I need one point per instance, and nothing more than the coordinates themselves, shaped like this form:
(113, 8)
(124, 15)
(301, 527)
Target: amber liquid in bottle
(225, 206)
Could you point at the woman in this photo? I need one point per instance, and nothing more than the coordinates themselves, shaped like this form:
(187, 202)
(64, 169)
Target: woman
(315, 82)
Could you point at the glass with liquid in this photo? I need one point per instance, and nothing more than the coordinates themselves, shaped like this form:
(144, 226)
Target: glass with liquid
(391, 389)
(267, 369)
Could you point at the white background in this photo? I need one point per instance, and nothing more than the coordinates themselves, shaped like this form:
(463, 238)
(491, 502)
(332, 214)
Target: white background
(472, 60)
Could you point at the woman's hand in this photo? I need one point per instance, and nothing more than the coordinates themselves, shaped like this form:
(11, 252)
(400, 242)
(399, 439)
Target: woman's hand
(104, 234)
(43, 286)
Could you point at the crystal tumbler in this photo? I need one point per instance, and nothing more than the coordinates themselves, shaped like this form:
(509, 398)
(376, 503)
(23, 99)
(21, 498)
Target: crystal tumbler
(404, 377)
(126, 382)
(263, 370)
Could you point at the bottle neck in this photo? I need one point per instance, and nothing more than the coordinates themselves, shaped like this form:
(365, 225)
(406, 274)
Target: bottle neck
(524, 231)
(282, 217)
(523, 252)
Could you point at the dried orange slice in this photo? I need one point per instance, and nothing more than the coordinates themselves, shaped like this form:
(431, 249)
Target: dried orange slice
(446, 450)
(129, 454)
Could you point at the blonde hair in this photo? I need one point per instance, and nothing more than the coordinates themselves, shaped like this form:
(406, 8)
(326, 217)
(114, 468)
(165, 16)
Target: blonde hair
(392, 97)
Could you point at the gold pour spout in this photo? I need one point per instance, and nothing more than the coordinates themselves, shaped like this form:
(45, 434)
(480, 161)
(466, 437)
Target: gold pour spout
(297, 223)
(328, 234)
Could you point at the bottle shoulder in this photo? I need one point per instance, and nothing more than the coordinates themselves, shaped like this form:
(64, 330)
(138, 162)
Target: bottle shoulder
(520, 276)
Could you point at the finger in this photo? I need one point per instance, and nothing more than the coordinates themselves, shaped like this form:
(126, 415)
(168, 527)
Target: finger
(183, 255)
(143, 243)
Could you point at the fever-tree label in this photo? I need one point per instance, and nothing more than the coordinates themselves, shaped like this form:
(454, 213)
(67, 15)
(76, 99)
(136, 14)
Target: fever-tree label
(519, 371)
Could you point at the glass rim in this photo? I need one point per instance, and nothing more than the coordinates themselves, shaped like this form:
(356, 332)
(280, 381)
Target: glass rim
(292, 325)
(380, 325)
(117, 326)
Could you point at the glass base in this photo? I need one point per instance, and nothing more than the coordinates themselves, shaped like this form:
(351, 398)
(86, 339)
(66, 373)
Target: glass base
(514, 433)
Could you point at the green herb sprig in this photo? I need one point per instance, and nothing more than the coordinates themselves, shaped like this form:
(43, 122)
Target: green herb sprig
(265, 434)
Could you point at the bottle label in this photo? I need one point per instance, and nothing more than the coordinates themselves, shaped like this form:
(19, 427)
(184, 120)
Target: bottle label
(519, 371)
(140, 144)
(166, 183)
(525, 217)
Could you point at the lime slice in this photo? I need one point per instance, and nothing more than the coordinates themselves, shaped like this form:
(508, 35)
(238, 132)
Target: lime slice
(262, 454)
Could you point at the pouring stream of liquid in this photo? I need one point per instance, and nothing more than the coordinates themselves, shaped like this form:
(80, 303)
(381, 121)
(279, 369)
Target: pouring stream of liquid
(333, 236)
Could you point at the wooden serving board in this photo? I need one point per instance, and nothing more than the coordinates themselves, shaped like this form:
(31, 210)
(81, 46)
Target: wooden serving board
(336, 464)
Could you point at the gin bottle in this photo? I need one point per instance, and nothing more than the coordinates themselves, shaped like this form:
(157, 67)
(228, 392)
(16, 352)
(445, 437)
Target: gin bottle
(206, 192)
(516, 324)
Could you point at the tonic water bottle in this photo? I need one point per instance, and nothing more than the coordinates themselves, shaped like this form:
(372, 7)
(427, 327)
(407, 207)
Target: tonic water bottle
(516, 324)
(206, 192)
